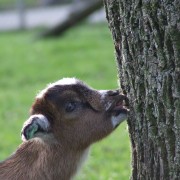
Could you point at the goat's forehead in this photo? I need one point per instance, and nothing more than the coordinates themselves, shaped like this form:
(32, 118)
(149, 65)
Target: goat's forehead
(63, 82)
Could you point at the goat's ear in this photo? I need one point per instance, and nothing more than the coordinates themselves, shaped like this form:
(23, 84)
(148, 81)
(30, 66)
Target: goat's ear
(36, 123)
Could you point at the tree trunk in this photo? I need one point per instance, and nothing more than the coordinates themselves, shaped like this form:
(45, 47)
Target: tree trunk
(146, 35)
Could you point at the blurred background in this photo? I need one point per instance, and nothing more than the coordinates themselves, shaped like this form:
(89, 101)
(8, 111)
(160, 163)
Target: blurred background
(42, 41)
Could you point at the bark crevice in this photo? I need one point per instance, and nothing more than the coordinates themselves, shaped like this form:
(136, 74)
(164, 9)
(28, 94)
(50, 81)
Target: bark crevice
(146, 36)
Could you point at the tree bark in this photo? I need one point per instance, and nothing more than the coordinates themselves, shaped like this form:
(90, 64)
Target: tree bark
(146, 35)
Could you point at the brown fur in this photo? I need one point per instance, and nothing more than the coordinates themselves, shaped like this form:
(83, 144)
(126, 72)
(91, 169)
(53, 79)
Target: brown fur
(57, 153)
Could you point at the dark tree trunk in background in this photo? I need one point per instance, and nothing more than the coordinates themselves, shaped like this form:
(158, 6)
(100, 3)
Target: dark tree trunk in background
(79, 12)
(146, 36)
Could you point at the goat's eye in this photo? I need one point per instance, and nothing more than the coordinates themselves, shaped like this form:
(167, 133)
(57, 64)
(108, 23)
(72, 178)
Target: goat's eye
(70, 106)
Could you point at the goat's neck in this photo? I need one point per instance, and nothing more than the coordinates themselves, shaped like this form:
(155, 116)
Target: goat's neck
(37, 160)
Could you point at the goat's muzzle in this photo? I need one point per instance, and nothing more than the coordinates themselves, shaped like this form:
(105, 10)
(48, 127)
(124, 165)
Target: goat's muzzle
(120, 102)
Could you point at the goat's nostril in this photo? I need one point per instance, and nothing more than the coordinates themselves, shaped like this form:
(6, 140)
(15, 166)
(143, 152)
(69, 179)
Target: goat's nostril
(113, 93)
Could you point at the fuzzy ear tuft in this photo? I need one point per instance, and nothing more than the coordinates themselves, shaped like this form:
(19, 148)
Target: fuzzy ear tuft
(36, 123)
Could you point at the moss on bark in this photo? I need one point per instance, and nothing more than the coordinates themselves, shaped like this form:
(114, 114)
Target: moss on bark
(146, 36)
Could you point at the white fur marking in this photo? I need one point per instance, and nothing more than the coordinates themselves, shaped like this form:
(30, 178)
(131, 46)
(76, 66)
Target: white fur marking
(118, 119)
(104, 93)
(83, 158)
(64, 81)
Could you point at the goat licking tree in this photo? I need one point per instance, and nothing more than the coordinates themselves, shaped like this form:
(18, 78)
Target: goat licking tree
(66, 118)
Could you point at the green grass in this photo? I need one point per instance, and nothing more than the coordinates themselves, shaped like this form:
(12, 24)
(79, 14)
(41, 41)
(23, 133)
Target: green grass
(85, 52)
(8, 4)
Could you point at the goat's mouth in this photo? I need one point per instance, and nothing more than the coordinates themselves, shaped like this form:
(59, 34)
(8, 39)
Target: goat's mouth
(120, 111)
(120, 105)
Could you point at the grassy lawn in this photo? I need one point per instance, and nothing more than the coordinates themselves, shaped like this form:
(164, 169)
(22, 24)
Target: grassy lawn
(85, 52)
(6, 4)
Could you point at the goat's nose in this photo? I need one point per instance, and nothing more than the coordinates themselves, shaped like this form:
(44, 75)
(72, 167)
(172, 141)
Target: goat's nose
(113, 92)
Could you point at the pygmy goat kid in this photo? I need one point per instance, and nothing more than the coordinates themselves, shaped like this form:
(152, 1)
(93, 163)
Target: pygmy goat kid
(66, 118)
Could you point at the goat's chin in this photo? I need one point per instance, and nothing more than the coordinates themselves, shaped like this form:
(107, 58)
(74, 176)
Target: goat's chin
(118, 117)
